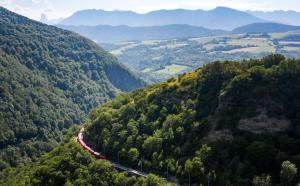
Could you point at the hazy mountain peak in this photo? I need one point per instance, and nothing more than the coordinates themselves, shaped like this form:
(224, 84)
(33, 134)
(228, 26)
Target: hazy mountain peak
(218, 18)
(224, 8)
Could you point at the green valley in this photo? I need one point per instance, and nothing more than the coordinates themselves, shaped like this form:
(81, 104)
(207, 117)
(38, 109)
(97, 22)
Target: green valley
(50, 80)
(227, 123)
(104, 93)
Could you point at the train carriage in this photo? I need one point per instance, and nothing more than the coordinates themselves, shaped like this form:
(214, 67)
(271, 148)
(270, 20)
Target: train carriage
(87, 148)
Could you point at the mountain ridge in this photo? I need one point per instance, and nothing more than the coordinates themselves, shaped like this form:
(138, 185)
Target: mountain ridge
(107, 33)
(265, 28)
(218, 18)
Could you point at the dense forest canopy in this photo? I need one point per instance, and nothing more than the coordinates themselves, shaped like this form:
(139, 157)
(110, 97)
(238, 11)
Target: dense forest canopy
(229, 123)
(50, 79)
(70, 165)
(226, 123)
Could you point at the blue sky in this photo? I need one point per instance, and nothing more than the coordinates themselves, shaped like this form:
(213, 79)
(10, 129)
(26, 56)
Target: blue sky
(63, 8)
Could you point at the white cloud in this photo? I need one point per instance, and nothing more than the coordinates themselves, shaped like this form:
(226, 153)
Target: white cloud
(30, 8)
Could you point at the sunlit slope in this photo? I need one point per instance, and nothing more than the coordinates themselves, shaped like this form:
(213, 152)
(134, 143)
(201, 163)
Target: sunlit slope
(226, 122)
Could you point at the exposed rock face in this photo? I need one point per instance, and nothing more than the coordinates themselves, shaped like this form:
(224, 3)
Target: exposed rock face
(262, 123)
(219, 135)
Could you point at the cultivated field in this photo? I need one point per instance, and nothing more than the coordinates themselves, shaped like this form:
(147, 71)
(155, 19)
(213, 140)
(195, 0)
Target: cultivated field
(158, 60)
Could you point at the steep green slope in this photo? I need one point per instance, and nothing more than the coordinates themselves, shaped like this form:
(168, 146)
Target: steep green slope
(226, 123)
(69, 164)
(229, 123)
(50, 79)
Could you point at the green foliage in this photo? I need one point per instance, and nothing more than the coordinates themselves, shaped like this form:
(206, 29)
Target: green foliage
(263, 180)
(69, 164)
(212, 124)
(288, 172)
(50, 79)
(133, 154)
(229, 123)
(151, 180)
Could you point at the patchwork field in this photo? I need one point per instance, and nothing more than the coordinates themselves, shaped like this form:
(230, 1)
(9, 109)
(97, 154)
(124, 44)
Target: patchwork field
(158, 60)
(172, 69)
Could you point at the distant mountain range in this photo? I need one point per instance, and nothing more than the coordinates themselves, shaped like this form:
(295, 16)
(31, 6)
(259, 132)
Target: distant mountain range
(105, 33)
(265, 28)
(115, 26)
(280, 16)
(110, 34)
(218, 18)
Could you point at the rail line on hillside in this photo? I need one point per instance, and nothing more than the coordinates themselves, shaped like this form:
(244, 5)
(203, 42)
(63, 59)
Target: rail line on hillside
(98, 155)
(117, 166)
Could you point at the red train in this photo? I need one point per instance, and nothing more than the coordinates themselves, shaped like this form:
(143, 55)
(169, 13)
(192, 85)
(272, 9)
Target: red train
(87, 148)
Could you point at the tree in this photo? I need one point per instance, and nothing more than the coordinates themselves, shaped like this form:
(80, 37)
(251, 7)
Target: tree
(288, 172)
(151, 180)
(271, 60)
(133, 154)
(188, 167)
(261, 154)
(122, 178)
(198, 167)
(194, 168)
(153, 143)
(262, 180)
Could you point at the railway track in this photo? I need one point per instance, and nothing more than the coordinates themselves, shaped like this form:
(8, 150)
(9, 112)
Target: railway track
(117, 166)
(98, 155)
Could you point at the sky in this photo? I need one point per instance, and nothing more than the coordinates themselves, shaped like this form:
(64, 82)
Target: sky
(63, 8)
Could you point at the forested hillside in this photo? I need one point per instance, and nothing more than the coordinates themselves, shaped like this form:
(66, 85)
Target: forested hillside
(70, 165)
(229, 123)
(50, 79)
